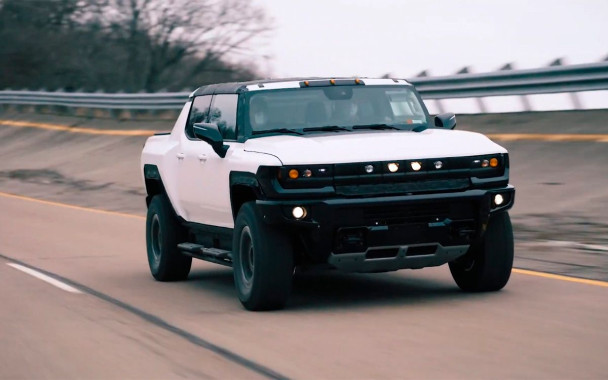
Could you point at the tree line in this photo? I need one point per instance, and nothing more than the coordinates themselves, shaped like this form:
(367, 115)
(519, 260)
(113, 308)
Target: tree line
(127, 45)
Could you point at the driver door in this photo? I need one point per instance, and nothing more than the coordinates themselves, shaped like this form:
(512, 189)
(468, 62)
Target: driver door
(192, 158)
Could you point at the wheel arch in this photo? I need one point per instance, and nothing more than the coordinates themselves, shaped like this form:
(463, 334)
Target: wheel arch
(244, 187)
(154, 183)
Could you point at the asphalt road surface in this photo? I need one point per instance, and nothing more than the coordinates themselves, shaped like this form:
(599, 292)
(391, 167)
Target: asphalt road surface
(560, 214)
(408, 324)
(77, 300)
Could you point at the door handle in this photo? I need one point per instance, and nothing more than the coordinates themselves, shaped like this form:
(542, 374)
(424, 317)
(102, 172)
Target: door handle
(181, 156)
(202, 158)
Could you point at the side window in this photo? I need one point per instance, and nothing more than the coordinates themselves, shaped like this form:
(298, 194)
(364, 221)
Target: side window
(198, 113)
(223, 113)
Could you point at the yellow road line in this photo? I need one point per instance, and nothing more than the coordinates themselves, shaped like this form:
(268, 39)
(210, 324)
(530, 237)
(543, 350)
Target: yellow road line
(561, 277)
(65, 128)
(116, 213)
(59, 204)
(550, 137)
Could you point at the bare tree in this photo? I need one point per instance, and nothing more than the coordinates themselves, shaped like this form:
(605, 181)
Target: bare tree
(127, 45)
(160, 34)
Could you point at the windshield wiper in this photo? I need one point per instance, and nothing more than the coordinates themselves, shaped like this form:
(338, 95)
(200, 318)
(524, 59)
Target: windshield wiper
(327, 128)
(278, 130)
(376, 126)
(419, 128)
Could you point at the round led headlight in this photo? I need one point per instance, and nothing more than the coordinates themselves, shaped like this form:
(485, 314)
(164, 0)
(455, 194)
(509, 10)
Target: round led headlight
(416, 166)
(298, 212)
(498, 199)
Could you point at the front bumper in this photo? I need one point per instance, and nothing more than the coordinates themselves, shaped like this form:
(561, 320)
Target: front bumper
(391, 232)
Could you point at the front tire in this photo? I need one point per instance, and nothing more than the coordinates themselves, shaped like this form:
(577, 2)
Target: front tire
(263, 261)
(487, 266)
(163, 233)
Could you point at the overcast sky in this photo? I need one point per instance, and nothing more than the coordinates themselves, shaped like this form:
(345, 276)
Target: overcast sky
(373, 37)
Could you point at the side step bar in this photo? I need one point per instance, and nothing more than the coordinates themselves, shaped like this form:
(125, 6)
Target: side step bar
(214, 255)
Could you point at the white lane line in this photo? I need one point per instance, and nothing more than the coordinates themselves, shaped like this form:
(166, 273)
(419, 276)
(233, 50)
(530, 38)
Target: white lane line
(45, 278)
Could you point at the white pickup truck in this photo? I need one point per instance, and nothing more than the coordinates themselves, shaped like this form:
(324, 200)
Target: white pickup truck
(339, 173)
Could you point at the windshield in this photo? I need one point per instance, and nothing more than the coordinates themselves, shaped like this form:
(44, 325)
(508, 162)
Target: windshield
(311, 109)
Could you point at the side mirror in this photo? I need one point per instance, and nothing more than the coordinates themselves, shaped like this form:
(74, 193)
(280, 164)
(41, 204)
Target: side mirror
(446, 120)
(210, 133)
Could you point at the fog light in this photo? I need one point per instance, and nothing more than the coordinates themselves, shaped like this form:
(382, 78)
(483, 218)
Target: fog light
(393, 167)
(493, 162)
(293, 174)
(298, 212)
(307, 173)
(416, 166)
(498, 199)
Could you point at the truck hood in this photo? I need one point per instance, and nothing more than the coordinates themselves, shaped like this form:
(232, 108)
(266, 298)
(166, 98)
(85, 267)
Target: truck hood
(362, 146)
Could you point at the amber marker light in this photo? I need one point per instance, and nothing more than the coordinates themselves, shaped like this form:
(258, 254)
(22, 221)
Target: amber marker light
(332, 81)
(357, 81)
(494, 162)
(293, 174)
(306, 83)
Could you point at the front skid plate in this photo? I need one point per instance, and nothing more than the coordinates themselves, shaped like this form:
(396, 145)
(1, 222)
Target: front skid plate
(362, 262)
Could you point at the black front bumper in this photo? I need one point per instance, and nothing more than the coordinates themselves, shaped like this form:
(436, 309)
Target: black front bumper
(419, 228)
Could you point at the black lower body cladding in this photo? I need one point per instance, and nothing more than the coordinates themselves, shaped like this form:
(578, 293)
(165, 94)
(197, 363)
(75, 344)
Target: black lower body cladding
(333, 230)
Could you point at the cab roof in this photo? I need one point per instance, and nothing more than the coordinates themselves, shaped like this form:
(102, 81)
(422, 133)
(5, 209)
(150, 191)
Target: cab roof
(280, 83)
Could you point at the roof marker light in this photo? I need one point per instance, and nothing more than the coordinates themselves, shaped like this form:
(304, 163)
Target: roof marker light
(332, 81)
(357, 81)
(306, 83)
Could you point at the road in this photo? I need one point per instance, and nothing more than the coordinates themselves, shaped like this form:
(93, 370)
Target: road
(560, 214)
(408, 324)
(117, 322)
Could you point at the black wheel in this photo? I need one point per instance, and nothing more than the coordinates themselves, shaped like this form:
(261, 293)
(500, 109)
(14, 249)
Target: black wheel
(487, 266)
(163, 233)
(263, 261)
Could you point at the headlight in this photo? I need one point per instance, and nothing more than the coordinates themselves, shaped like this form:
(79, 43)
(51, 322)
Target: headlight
(299, 212)
(498, 199)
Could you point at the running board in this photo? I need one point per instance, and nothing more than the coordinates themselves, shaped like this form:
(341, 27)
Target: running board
(214, 255)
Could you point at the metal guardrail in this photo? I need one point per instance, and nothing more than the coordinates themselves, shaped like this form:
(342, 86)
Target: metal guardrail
(587, 77)
(554, 79)
(139, 101)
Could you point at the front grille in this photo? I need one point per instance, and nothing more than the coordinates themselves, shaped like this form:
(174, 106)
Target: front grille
(425, 186)
(405, 213)
(418, 213)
